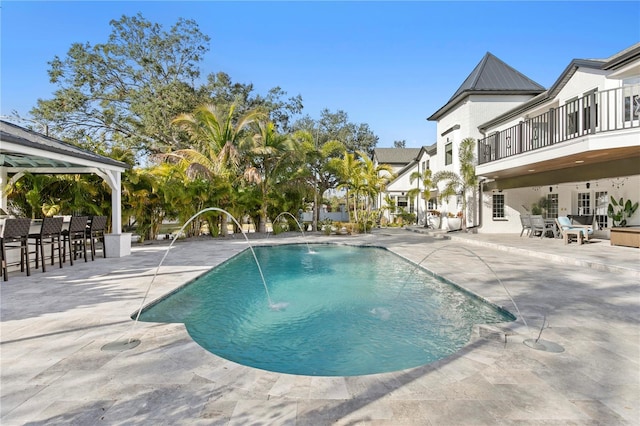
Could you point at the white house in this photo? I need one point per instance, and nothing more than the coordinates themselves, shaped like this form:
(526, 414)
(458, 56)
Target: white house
(398, 159)
(492, 88)
(575, 145)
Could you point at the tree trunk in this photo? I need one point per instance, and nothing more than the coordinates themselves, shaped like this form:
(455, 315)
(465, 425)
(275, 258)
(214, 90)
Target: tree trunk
(262, 227)
(223, 225)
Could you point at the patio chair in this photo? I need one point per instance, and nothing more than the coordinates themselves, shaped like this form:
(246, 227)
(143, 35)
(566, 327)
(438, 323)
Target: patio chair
(15, 235)
(525, 221)
(95, 234)
(76, 238)
(50, 234)
(569, 231)
(539, 227)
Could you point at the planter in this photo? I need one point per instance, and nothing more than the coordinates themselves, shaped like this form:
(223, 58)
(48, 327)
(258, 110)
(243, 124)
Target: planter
(117, 245)
(454, 223)
(434, 222)
(628, 237)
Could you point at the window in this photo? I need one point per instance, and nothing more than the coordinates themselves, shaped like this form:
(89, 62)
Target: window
(448, 153)
(497, 206)
(584, 203)
(631, 107)
(552, 206)
(631, 98)
(602, 203)
(572, 116)
(586, 110)
(539, 132)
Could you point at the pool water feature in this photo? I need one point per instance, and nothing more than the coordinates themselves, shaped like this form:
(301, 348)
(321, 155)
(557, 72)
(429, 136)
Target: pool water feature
(351, 311)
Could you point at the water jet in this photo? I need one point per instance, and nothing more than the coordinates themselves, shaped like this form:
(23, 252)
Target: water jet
(132, 343)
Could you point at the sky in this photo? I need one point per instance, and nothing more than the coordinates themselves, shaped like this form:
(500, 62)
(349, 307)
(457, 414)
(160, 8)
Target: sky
(386, 64)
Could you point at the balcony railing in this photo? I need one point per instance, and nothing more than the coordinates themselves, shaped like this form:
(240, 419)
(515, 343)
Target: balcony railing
(597, 112)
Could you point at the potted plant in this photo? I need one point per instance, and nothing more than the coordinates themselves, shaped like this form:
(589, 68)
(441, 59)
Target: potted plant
(433, 219)
(619, 211)
(454, 222)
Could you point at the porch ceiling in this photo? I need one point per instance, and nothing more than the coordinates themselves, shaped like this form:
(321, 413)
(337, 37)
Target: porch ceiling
(571, 168)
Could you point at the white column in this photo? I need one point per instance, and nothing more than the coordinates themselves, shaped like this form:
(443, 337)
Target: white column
(116, 244)
(116, 205)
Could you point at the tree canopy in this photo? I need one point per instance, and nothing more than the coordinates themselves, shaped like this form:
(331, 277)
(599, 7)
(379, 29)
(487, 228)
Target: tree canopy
(127, 91)
(140, 97)
(337, 127)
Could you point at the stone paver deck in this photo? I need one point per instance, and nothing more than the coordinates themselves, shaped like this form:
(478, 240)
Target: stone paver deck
(54, 325)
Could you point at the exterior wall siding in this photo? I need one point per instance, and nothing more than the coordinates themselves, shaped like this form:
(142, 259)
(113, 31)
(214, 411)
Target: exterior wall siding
(475, 110)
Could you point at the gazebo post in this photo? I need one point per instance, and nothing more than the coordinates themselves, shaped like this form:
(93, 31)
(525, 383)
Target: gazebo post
(116, 244)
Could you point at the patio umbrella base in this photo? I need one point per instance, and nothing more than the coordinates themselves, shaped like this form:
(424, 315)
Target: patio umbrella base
(120, 346)
(543, 345)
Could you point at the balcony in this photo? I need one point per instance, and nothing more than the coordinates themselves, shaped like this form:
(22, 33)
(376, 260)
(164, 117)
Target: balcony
(598, 112)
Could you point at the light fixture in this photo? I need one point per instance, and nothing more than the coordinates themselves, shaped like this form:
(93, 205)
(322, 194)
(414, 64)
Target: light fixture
(618, 182)
(531, 170)
(579, 161)
(588, 185)
(551, 189)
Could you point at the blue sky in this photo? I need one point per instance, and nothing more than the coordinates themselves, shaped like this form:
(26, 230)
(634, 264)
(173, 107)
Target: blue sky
(387, 64)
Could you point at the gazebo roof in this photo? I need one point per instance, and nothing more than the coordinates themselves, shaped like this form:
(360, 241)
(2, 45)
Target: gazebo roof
(22, 148)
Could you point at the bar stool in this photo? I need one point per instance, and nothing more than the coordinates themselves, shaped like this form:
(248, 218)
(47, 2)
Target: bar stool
(49, 234)
(75, 238)
(95, 234)
(15, 235)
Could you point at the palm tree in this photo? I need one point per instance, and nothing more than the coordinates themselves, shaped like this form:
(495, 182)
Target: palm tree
(423, 179)
(375, 178)
(461, 183)
(348, 170)
(268, 151)
(141, 200)
(216, 135)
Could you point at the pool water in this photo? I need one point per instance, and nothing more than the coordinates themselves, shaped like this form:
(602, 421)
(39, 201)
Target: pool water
(349, 311)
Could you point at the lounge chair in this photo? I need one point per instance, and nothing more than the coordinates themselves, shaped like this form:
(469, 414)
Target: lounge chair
(540, 227)
(569, 231)
(525, 221)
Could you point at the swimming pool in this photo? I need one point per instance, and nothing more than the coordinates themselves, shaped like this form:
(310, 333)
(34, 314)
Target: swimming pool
(349, 311)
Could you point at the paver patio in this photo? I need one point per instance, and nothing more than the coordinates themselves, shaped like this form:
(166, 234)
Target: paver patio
(54, 325)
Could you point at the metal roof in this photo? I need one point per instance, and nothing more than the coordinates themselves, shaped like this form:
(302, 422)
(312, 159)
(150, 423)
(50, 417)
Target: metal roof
(491, 76)
(395, 155)
(494, 75)
(20, 147)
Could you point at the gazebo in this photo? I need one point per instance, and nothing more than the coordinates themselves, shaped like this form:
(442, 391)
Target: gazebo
(23, 150)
